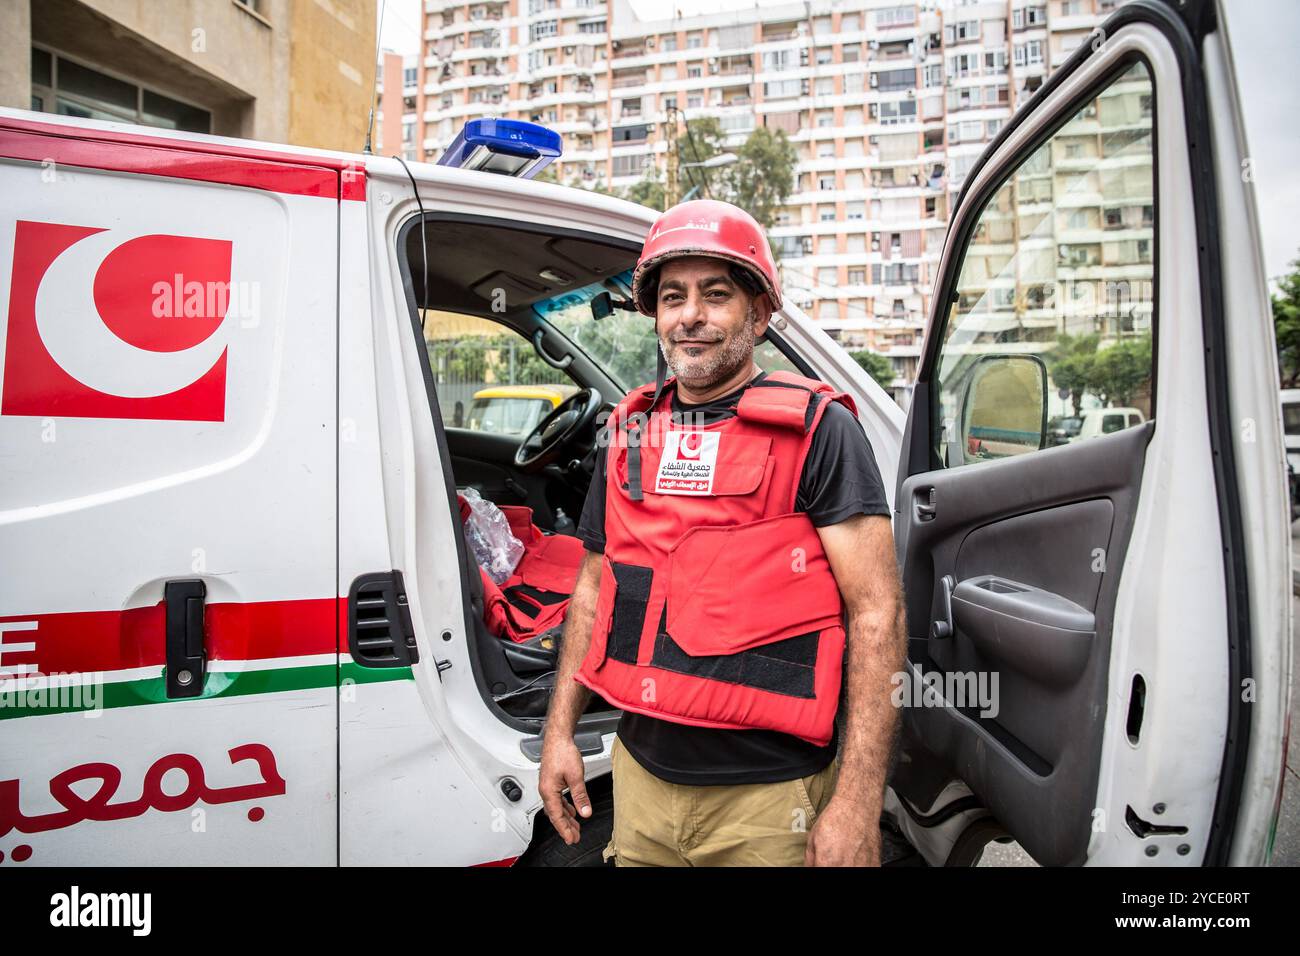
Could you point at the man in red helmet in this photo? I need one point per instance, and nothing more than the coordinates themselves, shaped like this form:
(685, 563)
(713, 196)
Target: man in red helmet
(740, 576)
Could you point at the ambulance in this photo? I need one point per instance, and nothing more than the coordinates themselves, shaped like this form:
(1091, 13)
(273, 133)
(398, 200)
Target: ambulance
(240, 622)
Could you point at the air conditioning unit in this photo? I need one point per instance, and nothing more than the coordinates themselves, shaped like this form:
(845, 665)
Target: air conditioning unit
(873, 45)
(649, 43)
(568, 51)
(875, 80)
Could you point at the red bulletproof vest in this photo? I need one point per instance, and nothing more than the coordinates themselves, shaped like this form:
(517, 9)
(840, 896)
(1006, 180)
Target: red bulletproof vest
(717, 605)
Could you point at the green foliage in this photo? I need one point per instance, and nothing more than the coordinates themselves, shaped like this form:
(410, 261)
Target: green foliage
(1070, 364)
(760, 181)
(1122, 369)
(876, 365)
(648, 191)
(1286, 326)
(1114, 374)
(763, 176)
(499, 359)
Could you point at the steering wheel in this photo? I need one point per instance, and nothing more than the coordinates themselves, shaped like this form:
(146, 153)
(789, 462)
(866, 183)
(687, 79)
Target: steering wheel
(567, 421)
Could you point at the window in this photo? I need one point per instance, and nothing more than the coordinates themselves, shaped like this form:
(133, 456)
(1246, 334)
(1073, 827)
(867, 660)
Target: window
(891, 81)
(896, 16)
(543, 28)
(631, 134)
(1029, 54)
(903, 111)
(781, 89)
(629, 165)
(66, 87)
(1084, 309)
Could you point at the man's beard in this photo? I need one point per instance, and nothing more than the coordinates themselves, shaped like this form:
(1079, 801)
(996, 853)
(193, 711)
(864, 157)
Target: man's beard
(717, 364)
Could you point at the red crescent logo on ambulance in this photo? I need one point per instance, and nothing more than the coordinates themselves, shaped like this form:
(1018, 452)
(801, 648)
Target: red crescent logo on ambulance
(107, 326)
(689, 445)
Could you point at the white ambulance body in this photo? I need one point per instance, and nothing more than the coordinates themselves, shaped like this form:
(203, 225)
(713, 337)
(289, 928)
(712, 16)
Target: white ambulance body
(239, 622)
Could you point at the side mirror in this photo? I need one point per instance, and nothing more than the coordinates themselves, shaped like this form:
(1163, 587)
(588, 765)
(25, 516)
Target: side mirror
(1005, 409)
(602, 305)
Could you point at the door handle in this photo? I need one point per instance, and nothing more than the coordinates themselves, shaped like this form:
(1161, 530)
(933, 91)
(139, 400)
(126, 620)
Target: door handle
(187, 657)
(942, 627)
(926, 507)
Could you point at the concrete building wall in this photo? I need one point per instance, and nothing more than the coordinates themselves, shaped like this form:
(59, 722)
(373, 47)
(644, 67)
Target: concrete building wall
(332, 72)
(282, 71)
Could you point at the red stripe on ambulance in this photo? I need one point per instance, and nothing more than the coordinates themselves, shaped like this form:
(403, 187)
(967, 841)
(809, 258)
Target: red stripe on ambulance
(278, 172)
(103, 641)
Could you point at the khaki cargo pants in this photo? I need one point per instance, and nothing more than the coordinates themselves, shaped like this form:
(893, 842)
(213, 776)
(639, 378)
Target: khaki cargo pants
(657, 823)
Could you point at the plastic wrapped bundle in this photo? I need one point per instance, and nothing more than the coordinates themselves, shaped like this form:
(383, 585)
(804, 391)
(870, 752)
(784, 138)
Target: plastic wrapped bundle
(487, 530)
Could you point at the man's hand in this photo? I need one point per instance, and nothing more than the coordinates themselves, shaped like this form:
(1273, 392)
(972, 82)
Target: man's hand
(562, 769)
(845, 834)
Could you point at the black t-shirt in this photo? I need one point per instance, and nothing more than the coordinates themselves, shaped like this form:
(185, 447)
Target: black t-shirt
(840, 479)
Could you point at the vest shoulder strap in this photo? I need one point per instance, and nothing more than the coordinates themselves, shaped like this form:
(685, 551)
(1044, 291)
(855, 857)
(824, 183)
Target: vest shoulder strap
(637, 400)
(788, 400)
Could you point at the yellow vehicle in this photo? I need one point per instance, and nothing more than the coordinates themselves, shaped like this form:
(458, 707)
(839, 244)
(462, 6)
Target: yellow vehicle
(514, 409)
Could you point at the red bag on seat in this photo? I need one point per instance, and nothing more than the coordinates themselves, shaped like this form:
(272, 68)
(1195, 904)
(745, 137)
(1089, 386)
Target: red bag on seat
(534, 599)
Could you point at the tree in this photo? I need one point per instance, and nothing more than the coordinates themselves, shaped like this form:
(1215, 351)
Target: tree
(1119, 371)
(1070, 365)
(876, 365)
(1286, 326)
(760, 181)
(763, 176)
(648, 191)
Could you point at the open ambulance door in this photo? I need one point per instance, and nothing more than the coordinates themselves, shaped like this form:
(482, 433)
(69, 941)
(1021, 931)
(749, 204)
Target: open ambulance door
(1097, 625)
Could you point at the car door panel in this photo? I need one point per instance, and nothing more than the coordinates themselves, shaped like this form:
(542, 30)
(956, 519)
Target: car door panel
(1040, 624)
(1140, 754)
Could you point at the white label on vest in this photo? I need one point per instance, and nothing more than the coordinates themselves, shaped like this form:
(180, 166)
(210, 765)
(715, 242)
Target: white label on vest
(688, 464)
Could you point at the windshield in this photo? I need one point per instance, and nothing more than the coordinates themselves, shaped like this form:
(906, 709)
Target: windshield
(623, 343)
(507, 416)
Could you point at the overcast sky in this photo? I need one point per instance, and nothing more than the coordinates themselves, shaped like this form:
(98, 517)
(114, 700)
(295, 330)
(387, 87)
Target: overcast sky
(1263, 34)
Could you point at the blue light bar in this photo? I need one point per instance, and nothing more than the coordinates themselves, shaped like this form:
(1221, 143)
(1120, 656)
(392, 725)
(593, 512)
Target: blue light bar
(510, 147)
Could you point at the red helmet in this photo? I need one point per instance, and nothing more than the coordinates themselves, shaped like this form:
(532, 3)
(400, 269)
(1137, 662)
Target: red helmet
(705, 227)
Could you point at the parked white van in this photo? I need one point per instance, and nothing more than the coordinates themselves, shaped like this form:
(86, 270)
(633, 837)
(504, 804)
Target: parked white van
(239, 621)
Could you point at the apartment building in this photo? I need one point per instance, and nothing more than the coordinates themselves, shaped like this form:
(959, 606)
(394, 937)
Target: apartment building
(275, 70)
(887, 103)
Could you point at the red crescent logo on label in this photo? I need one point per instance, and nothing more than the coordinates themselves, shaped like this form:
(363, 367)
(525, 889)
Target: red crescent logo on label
(689, 445)
(117, 331)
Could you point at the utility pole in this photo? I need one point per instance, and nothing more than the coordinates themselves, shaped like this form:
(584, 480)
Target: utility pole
(671, 189)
